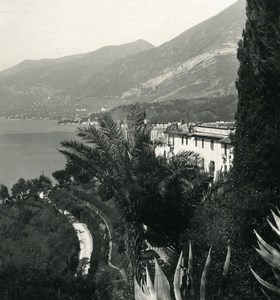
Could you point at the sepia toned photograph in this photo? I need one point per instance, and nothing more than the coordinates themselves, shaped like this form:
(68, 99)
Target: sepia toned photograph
(139, 150)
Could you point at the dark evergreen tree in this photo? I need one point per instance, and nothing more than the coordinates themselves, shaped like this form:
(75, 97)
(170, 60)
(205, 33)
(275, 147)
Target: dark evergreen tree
(257, 139)
(4, 193)
(61, 176)
(20, 187)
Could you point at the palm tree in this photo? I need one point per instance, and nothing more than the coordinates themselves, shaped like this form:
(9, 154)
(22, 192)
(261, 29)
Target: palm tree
(147, 189)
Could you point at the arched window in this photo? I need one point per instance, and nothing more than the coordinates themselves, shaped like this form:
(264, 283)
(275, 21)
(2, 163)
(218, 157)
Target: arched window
(212, 168)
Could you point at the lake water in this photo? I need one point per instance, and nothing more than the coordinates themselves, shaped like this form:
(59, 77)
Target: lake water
(29, 147)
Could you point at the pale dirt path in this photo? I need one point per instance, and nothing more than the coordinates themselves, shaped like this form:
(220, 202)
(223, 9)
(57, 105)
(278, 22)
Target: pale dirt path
(86, 245)
(83, 234)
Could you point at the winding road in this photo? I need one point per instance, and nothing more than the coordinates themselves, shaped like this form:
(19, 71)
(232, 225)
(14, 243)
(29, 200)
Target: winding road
(85, 240)
(85, 237)
(83, 234)
(110, 229)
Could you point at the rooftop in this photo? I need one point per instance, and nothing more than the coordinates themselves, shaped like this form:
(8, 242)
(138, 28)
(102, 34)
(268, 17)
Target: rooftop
(217, 130)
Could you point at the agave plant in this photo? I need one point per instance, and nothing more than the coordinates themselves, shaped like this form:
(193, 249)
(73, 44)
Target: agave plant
(160, 290)
(183, 281)
(271, 255)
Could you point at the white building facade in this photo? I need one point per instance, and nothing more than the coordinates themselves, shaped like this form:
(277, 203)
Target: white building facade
(210, 140)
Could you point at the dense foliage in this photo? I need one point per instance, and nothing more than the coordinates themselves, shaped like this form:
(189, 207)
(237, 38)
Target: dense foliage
(243, 203)
(108, 281)
(218, 222)
(72, 172)
(67, 201)
(193, 110)
(257, 138)
(31, 186)
(38, 251)
(4, 193)
(146, 189)
(33, 284)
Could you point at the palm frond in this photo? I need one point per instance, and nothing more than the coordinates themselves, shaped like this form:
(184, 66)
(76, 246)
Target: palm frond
(138, 129)
(219, 183)
(109, 140)
(182, 168)
(92, 135)
(113, 131)
(136, 116)
(79, 147)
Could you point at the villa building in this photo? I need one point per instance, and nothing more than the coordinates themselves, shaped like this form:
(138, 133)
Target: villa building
(210, 140)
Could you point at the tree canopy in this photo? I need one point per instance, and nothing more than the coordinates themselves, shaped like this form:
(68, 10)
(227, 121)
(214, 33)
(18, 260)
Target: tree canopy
(4, 193)
(147, 189)
(31, 186)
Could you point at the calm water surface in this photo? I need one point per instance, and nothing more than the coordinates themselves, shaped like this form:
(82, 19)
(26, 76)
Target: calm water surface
(29, 147)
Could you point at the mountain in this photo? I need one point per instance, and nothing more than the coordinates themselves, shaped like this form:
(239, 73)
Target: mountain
(32, 85)
(200, 62)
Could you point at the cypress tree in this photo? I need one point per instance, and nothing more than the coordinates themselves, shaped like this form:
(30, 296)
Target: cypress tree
(257, 140)
(256, 166)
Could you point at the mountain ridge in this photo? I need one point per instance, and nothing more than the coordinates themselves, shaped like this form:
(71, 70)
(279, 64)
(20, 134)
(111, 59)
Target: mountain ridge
(200, 62)
(156, 74)
(140, 42)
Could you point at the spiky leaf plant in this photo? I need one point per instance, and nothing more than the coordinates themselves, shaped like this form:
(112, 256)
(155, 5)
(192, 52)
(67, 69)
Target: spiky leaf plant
(271, 256)
(183, 281)
(204, 279)
(160, 290)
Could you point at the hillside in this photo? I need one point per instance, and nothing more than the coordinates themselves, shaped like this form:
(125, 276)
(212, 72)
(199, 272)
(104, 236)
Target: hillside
(199, 63)
(190, 110)
(50, 84)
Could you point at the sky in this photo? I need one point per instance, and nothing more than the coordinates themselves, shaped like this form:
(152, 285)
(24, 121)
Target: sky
(36, 29)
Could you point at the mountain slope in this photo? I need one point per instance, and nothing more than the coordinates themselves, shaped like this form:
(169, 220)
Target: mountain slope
(38, 81)
(200, 62)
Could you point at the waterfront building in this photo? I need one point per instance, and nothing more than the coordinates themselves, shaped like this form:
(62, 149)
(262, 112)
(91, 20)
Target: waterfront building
(212, 141)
